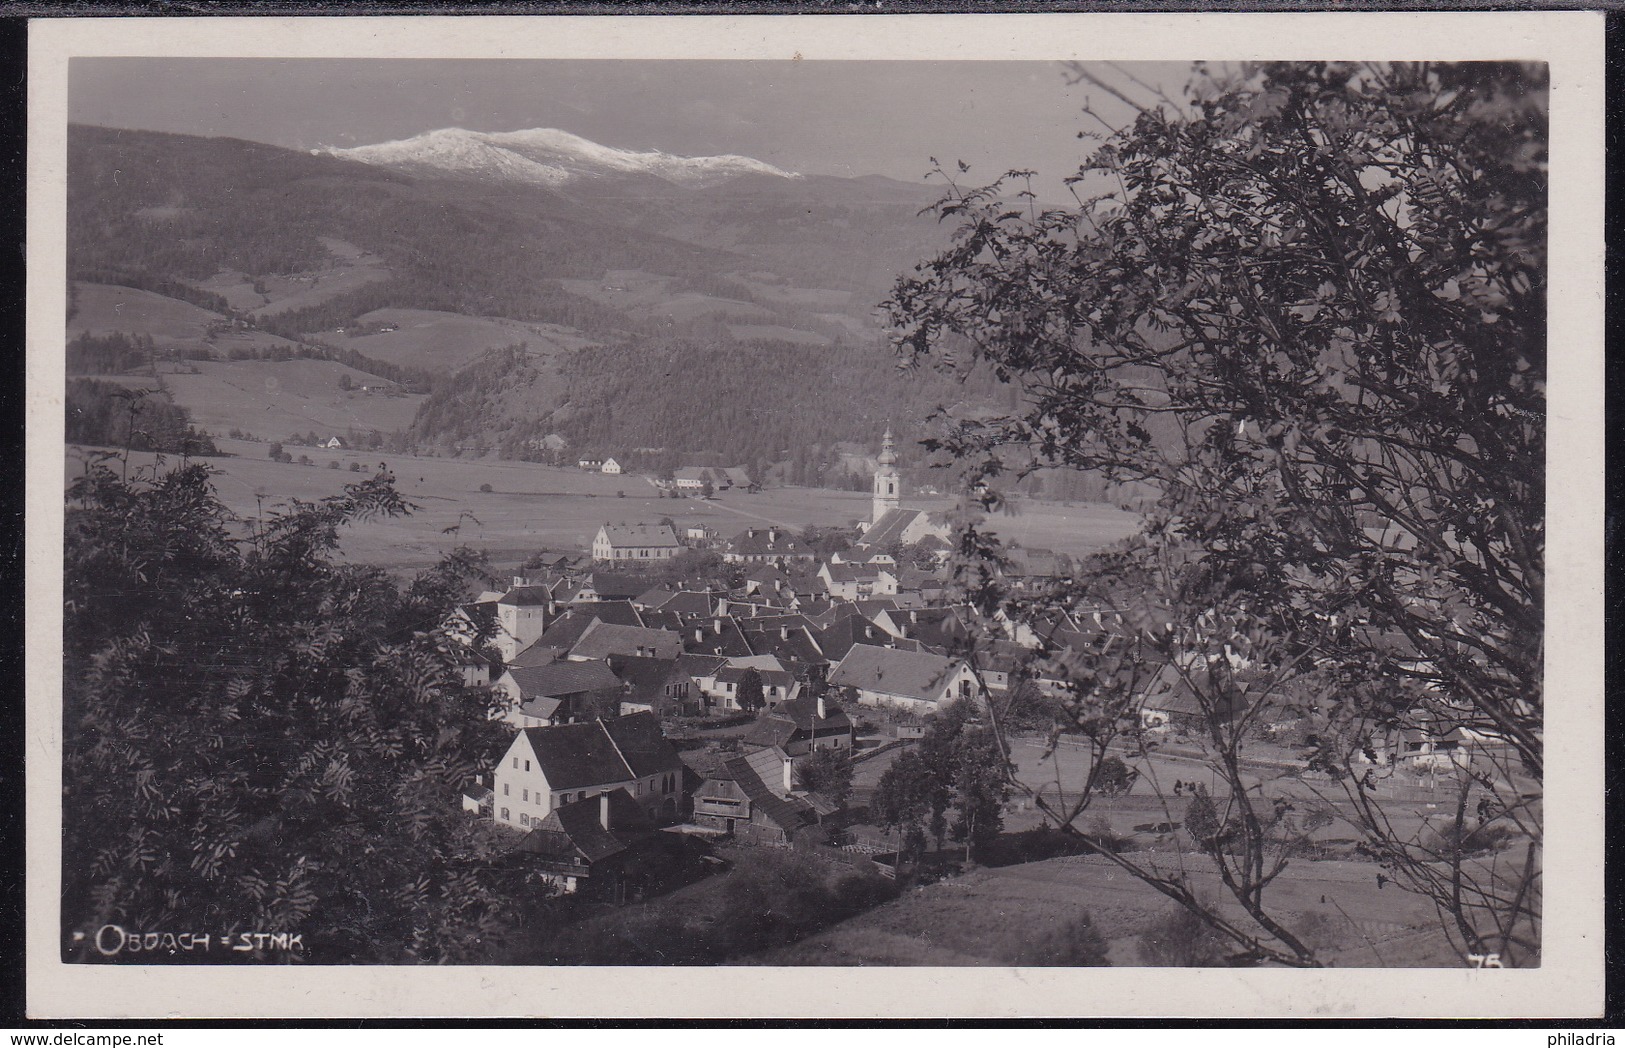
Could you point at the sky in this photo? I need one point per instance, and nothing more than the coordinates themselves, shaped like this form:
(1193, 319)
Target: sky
(833, 118)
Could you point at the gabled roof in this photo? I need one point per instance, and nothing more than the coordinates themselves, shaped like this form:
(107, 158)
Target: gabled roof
(658, 619)
(908, 674)
(594, 753)
(700, 665)
(798, 646)
(565, 630)
(557, 679)
(641, 744)
(837, 639)
(735, 674)
(603, 639)
(637, 536)
(788, 813)
(803, 712)
(610, 586)
(688, 602)
(577, 828)
(527, 596)
(644, 679)
(715, 635)
(889, 528)
(768, 542)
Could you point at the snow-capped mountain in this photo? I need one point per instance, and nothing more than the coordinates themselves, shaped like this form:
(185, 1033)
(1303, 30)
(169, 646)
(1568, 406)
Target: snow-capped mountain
(544, 156)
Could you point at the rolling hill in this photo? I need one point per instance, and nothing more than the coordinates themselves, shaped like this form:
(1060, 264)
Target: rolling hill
(712, 304)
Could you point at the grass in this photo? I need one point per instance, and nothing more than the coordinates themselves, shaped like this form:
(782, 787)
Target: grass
(977, 918)
(530, 506)
(438, 341)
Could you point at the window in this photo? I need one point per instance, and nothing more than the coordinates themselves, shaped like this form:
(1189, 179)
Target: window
(505, 789)
(505, 817)
(524, 820)
(516, 762)
(526, 794)
(527, 765)
(640, 789)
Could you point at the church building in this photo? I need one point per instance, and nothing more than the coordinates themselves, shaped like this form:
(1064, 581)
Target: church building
(890, 522)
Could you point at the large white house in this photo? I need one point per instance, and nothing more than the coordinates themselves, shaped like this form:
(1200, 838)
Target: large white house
(547, 767)
(638, 543)
(610, 466)
(912, 680)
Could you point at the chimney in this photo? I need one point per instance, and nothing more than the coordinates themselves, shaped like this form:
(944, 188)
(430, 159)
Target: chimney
(821, 708)
(784, 632)
(717, 623)
(913, 615)
(789, 775)
(772, 536)
(603, 810)
(699, 635)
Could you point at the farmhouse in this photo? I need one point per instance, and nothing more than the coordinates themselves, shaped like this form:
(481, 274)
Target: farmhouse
(590, 465)
(545, 768)
(800, 726)
(604, 639)
(635, 543)
(596, 847)
(610, 466)
(913, 680)
(857, 581)
(558, 693)
(773, 545)
(751, 797)
(654, 685)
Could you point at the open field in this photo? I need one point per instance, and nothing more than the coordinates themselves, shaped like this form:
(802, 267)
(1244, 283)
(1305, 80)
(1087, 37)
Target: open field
(438, 341)
(973, 919)
(533, 506)
(172, 324)
(275, 399)
(350, 268)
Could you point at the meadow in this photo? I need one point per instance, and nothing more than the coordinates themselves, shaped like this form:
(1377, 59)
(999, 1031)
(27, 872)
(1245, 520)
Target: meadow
(532, 506)
(437, 341)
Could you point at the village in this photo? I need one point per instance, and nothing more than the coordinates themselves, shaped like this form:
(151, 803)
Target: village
(654, 715)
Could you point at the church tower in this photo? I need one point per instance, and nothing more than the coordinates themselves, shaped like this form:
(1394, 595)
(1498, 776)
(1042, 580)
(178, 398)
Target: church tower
(888, 486)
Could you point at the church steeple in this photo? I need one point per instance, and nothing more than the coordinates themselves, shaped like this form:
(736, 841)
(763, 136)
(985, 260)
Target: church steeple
(888, 486)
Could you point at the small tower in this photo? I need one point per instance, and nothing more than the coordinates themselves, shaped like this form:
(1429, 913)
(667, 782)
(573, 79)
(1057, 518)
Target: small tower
(888, 487)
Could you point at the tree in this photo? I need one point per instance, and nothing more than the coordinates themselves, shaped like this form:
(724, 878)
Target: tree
(749, 695)
(276, 450)
(827, 771)
(902, 800)
(1303, 311)
(1115, 777)
(262, 738)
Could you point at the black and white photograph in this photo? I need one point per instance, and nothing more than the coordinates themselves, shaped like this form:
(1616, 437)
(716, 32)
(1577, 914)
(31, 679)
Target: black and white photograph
(812, 515)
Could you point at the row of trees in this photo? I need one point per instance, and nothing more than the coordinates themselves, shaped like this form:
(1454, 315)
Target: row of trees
(1305, 305)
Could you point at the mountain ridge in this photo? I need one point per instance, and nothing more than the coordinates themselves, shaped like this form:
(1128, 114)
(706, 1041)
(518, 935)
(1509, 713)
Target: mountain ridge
(544, 156)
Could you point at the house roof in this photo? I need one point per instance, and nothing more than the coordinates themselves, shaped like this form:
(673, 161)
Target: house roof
(716, 635)
(790, 719)
(908, 674)
(638, 536)
(688, 602)
(889, 528)
(527, 596)
(644, 678)
(788, 813)
(700, 665)
(793, 644)
(556, 679)
(593, 753)
(603, 639)
(565, 630)
(767, 542)
(611, 586)
(641, 744)
(735, 674)
(577, 828)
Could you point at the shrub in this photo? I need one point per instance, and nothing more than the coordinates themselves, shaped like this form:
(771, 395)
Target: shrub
(333, 464)
(1180, 939)
(1074, 943)
(355, 467)
(485, 489)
